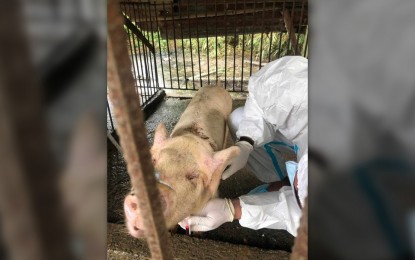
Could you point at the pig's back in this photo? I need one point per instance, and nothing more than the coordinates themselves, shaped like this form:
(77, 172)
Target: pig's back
(206, 116)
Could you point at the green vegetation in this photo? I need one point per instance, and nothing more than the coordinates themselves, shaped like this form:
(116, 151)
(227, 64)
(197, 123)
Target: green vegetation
(274, 45)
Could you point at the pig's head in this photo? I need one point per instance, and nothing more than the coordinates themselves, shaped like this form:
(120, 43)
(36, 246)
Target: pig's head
(189, 172)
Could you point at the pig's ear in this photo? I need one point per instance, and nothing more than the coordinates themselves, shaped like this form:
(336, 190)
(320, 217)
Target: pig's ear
(218, 164)
(160, 136)
(167, 197)
(224, 157)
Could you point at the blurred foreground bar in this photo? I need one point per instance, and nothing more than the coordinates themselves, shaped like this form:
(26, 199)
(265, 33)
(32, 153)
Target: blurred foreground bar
(52, 73)
(362, 127)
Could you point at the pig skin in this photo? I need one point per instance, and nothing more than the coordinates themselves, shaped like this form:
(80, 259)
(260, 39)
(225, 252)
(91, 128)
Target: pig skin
(190, 162)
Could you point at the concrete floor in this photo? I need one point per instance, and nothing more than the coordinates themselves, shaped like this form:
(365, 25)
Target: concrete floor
(277, 242)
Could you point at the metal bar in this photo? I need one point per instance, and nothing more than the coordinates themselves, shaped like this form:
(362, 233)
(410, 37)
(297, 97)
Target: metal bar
(270, 38)
(148, 61)
(159, 42)
(279, 44)
(132, 2)
(262, 36)
(33, 222)
(133, 59)
(114, 142)
(191, 47)
(131, 130)
(133, 45)
(141, 79)
(149, 74)
(300, 22)
(235, 44)
(216, 40)
(252, 43)
(151, 56)
(168, 47)
(292, 21)
(198, 47)
(226, 43)
(109, 112)
(305, 43)
(184, 59)
(243, 51)
(290, 30)
(207, 41)
(143, 86)
(175, 48)
(154, 90)
(138, 33)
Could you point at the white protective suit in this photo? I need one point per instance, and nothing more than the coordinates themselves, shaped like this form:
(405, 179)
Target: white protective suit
(275, 117)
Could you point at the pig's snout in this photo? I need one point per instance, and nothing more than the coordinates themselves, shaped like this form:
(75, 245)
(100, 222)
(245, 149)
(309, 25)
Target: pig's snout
(134, 220)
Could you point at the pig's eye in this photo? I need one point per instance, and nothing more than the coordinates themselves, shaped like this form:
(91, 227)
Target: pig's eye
(192, 175)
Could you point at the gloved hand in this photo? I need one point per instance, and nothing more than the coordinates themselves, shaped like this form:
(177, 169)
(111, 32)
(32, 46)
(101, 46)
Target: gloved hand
(240, 161)
(215, 213)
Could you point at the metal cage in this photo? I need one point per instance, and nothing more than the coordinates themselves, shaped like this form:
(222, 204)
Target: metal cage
(182, 45)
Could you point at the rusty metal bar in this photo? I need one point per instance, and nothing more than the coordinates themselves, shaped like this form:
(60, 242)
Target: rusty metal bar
(139, 34)
(290, 29)
(132, 134)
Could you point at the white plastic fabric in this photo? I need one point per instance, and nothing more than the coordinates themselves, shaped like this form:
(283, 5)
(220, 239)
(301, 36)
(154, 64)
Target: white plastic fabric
(302, 178)
(276, 210)
(277, 106)
(278, 102)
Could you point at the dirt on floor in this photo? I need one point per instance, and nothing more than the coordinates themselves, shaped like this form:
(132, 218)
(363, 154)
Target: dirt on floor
(122, 246)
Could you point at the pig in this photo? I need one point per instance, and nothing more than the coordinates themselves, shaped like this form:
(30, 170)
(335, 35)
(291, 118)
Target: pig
(190, 162)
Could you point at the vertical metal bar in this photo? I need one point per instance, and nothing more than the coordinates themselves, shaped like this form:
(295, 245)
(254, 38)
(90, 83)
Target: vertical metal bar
(292, 24)
(140, 77)
(291, 34)
(226, 40)
(207, 40)
(175, 46)
(181, 31)
(134, 56)
(146, 78)
(299, 25)
(109, 112)
(131, 130)
(281, 23)
(262, 35)
(216, 39)
(243, 48)
(235, 44)
(168, 43)
(133, 53)
(149, 60)
(252, 40)
(191, 47)
(198, 46)
(159, 43)
(143, 87)
(154, 90)
(270, 38)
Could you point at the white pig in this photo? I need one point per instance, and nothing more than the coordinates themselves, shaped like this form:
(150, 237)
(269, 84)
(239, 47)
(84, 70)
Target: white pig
(190, 162)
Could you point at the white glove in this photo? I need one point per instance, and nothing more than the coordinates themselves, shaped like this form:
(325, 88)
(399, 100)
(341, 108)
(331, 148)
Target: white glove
(215, 213)
(240, 161)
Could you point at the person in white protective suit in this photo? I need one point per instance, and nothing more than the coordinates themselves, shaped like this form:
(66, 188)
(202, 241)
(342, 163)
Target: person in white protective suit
(273, 123)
